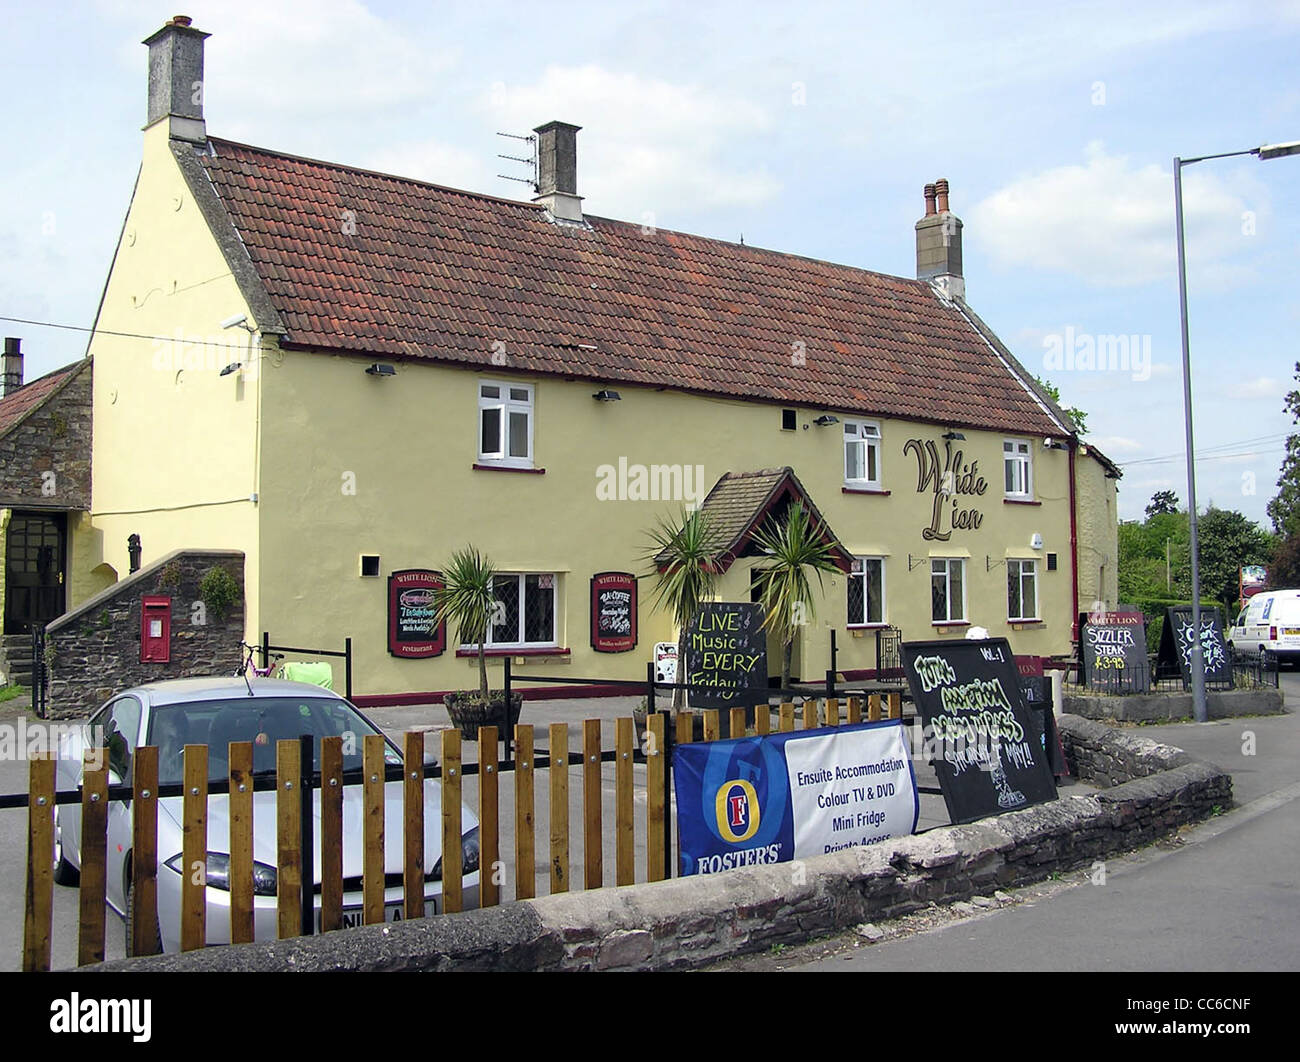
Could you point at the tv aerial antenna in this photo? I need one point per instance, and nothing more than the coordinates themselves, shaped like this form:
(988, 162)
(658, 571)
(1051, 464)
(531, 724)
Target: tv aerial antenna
(530, 161)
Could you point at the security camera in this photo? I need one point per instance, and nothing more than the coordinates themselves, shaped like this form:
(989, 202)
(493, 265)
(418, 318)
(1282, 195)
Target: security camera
(235, 321)
(1047, 444)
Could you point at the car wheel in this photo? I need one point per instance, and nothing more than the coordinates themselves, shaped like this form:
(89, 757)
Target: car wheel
(64, 872)
(130, 926)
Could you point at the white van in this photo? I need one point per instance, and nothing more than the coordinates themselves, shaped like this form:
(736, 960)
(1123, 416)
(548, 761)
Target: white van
(1269, 624)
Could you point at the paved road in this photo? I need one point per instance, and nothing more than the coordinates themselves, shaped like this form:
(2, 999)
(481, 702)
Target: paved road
(1223, 898)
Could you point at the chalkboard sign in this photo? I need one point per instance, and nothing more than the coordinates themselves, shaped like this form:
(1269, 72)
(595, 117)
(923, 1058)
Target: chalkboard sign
(726, 655)
(1177, 639)
(613, 612)
(1113, 648)
(411, 608)
(985, 744)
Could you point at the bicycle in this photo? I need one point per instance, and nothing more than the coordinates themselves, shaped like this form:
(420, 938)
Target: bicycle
(248, 663)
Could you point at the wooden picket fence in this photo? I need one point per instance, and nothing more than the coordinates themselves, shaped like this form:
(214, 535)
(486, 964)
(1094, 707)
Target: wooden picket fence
(295, 912)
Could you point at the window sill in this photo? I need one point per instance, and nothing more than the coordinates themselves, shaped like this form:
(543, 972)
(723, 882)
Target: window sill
(1020, 501)
(549, 650)
(950, 623)
(479, 467)
(1021, 624)
(868, 626)
(863, 490)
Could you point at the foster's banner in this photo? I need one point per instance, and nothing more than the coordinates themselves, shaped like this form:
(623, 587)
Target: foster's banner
(790, 796)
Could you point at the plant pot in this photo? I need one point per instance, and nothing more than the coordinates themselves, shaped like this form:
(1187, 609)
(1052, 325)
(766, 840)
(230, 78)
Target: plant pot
(468, 712)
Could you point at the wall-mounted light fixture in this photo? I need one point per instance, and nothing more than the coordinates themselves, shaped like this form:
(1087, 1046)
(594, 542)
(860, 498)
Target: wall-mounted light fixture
(607, 396)
(380, 369)
(954, 436)
(825, 420)
(234, 366)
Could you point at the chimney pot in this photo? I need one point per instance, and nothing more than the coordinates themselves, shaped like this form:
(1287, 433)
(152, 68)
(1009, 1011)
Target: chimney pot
(181, 20)
(12, 368)
(929, 200)
(941, 191)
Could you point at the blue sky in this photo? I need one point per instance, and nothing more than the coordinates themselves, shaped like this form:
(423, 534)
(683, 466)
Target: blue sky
(808, 128)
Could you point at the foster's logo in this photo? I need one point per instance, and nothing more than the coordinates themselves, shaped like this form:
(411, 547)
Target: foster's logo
(737, 811)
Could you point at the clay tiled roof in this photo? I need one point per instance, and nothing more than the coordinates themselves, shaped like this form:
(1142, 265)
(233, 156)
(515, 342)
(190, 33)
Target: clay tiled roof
(380, 265)
(741, 502)
(16, 406)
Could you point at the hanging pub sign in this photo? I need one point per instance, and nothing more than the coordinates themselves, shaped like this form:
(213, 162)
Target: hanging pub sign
(411, 608)
(726, 655)
(613, 612)
(1114, 651)
(1178, 637)
(985, 744)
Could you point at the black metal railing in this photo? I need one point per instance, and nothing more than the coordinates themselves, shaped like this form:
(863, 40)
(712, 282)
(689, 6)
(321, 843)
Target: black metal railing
(1243, 673)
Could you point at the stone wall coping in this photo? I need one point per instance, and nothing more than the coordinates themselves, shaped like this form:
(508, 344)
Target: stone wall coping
(129, 582)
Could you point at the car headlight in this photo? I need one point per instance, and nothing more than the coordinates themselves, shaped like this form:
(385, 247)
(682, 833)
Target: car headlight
(218, 873)
(469, 856)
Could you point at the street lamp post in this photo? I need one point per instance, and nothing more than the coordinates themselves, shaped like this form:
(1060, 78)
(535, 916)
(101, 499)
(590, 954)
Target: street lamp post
(1268, 151)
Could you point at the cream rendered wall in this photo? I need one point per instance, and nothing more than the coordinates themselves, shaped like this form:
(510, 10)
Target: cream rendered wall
(174, 452)
(408, 442)
(1098, 534)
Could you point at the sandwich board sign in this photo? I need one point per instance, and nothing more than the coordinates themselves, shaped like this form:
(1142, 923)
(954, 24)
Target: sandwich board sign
(985, 745)
(1114, 651)
(1178, 638)
(726, 655)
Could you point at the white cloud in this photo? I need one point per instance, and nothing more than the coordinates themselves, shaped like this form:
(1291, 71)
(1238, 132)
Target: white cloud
(1111, 222)
(1259, 387)
(648, 146)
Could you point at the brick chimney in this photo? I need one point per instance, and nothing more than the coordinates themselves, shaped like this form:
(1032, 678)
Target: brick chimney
(938, 243)
(12, 367)
(176, 79)
(557, 170)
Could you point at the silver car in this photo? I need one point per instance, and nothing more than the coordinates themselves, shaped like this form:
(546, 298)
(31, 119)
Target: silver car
(215, 712)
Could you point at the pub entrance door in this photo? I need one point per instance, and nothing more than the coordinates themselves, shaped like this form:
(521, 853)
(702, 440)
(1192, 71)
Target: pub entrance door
(35, 569)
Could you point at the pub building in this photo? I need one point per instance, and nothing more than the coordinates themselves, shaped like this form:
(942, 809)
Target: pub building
(368, 372)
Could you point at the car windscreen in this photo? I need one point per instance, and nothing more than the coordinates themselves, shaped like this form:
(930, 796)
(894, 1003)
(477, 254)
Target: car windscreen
(260, 720)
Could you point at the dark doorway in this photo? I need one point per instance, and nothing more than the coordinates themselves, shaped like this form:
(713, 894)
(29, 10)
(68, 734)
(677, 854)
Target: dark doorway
(35, 568)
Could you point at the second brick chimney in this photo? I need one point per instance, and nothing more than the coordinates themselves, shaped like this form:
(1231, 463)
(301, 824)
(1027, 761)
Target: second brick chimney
(12, 368)
(176, 79)
(557, 170)
(938, 243)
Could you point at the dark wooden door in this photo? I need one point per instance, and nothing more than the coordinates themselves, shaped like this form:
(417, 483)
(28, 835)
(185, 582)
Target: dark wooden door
(35, 569)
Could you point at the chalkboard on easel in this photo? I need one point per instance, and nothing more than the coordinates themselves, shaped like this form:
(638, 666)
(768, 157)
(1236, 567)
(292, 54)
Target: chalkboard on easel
(1177, 639)
(1113, 648)
(726, 655)
(985, 744)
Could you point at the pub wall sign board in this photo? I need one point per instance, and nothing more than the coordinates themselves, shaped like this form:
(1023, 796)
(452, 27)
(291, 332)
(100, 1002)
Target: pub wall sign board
(411, 609)
(613, 612)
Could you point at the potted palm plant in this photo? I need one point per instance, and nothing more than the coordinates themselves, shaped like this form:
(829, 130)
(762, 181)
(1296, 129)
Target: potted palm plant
(793, 547)
(467, 600)
(681, 558)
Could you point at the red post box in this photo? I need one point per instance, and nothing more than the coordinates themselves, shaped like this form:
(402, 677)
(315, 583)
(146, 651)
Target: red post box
(156, 630)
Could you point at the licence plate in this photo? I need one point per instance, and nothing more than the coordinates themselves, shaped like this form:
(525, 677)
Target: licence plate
(1291, 631)
(393, 912)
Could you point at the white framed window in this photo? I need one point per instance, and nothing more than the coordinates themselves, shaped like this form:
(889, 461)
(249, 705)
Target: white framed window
(948, 590)
(866, 589)
(525, 610)
(1022, 590)
(505, 423)
(1017, 469)
(862, 454)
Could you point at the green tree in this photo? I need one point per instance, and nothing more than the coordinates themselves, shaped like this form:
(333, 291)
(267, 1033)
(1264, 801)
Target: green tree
(467, 600)
(1284, 568)
(1284, 508)
(1162, 501)
(1079, 417)
(1229, 540)
(792, 547)
(682, 565)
